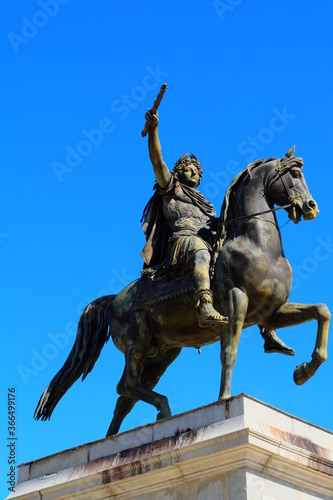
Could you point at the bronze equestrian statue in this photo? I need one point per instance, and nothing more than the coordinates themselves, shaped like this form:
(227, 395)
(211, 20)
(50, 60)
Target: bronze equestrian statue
(204, 280)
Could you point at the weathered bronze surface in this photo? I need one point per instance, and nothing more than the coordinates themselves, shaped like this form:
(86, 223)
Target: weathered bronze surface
(204, 280)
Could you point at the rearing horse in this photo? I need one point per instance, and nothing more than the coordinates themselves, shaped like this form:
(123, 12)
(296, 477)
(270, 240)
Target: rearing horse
(251, 285)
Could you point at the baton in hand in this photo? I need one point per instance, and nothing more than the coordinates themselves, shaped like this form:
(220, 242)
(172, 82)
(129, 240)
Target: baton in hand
(153, 110)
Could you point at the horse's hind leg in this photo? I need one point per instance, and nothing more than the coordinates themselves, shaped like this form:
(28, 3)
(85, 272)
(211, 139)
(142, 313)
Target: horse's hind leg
(291, 314)
(230, 335)
(153, 370)
(123, 406)
(156, 366)
(136, 355)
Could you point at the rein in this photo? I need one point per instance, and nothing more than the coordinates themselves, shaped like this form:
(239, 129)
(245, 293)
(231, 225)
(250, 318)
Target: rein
(243, 217)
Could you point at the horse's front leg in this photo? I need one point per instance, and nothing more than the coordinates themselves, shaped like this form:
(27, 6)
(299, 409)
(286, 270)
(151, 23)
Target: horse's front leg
(230, 335)
(291, 314)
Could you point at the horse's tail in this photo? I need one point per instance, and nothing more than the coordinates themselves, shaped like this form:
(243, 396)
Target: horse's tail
(92, 334)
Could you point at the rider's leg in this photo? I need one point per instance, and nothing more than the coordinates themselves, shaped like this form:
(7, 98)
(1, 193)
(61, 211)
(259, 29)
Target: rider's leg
(273, 343)
(201, 265)
(204, 296)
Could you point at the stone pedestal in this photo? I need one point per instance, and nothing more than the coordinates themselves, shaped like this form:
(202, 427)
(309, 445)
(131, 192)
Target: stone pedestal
(233, 450)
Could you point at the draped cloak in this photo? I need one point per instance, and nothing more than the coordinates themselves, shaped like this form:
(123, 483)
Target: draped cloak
(155, 226)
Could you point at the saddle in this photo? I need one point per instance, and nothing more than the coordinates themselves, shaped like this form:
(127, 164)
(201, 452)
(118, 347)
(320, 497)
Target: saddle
(151, 292)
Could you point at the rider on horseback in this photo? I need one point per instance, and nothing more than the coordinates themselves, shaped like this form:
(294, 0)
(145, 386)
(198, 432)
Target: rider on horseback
(178, 225)
(186, 218)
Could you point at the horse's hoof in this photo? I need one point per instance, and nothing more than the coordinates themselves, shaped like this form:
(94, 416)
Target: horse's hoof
(223, 397)
(300, 375)
(163, 414)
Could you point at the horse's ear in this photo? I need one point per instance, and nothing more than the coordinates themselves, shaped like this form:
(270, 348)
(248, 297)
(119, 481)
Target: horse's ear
(290, 153)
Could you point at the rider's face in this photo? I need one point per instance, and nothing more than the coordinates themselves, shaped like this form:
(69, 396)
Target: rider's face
(189, 175)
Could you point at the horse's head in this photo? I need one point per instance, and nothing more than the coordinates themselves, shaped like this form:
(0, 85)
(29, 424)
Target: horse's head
(287, 184)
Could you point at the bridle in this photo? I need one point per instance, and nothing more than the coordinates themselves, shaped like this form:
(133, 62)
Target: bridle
(283, 166)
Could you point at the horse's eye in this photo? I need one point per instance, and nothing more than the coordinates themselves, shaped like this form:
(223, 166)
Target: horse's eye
(296, 174)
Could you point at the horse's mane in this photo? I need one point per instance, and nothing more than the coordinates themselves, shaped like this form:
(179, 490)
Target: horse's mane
(235, 184)
(289, 160)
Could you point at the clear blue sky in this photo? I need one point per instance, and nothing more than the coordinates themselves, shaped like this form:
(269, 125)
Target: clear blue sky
(72, 197)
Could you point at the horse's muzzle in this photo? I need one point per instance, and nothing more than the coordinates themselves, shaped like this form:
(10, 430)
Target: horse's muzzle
(303, 205)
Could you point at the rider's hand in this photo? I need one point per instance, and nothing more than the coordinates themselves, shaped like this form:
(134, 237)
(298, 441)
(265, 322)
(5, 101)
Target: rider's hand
(151, 119)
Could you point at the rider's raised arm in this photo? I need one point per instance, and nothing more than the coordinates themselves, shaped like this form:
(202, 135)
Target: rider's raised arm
(162, 173)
